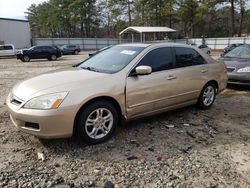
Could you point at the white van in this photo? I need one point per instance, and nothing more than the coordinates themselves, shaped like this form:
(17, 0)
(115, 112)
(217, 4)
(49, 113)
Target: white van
(7, 50)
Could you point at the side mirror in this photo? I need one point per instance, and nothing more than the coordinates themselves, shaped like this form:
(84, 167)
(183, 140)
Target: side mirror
(143, 70)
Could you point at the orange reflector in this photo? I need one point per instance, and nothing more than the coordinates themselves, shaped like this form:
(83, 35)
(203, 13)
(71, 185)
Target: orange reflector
(56, 103)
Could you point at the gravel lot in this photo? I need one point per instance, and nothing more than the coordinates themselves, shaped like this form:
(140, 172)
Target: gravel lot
(183, 148)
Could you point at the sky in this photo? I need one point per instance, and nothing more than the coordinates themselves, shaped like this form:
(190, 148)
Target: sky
(16, 8)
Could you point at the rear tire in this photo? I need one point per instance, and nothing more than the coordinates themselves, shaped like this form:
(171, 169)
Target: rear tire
(207, 96)
(97, 122)
(53, 57)
(76, 52)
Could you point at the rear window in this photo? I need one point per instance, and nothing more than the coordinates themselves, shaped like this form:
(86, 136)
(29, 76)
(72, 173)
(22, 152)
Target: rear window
(186, 57)
(7, 47)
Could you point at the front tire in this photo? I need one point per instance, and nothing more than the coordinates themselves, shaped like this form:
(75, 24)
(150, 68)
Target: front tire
(97, 122)
(26, 58)
(207, 96)
(76, 52)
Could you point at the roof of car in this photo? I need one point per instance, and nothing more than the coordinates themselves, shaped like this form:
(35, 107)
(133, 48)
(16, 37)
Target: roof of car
(145, 45)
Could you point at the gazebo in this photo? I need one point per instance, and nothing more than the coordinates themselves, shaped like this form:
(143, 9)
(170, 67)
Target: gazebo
(144, 30)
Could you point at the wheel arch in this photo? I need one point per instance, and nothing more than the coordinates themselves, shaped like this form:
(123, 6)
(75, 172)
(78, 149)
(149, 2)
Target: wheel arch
(96, 99)
(215, 83)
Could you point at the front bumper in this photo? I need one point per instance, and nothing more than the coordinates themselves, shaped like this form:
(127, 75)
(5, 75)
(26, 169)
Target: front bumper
(239, 78)
(56, 123)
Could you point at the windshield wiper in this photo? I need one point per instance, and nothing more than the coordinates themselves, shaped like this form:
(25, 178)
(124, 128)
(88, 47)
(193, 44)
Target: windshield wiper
(90, 69)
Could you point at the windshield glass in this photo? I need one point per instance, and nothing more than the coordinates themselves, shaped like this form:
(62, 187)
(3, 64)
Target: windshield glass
(239, 52)
(111, 60)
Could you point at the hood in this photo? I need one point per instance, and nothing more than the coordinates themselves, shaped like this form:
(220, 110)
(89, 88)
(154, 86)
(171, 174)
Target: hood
(237, 63)
(68, 78)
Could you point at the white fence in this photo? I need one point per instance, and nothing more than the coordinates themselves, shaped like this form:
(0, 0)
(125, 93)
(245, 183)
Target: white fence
(97, 43)
(214, 43)
(85, 43)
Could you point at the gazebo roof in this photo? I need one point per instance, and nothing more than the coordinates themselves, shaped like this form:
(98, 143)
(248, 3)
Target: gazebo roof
(138, 29)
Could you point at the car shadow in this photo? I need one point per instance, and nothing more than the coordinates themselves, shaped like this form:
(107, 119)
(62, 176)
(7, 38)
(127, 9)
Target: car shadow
(239, 87)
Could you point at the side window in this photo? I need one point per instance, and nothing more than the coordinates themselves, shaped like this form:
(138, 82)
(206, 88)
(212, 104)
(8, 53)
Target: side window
(159, 59)
(38, 48)
(8, 48)
(187, 57)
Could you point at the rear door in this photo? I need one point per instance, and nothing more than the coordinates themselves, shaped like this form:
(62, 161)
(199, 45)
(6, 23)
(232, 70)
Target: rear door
(190, 72)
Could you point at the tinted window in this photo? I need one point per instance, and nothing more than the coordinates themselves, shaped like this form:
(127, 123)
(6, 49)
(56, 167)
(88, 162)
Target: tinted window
(187, 57)
(72, 46)
(8, 47)
(159, 59)
(38, 48)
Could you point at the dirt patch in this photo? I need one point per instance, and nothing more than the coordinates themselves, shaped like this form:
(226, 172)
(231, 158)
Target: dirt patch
(183, 148)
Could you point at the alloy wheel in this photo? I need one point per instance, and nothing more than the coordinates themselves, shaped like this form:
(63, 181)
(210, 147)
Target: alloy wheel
(99, 123)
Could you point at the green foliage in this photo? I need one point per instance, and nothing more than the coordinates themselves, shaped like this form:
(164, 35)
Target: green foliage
(106, 18)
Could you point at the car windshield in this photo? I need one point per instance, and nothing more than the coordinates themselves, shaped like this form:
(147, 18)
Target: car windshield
(111, 60)
(239, 52)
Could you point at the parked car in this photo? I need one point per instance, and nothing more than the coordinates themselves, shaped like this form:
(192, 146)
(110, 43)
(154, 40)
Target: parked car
(205, 48)
(70, 49)
(39, 52)
(229, 48)
(121, 83)
(98, 51)
(238, 65)
(7, 50)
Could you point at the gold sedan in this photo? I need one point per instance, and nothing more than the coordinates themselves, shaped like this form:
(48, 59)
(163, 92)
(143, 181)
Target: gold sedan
(122, 82)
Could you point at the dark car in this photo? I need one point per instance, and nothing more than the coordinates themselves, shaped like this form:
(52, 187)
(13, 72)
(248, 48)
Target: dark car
(230, 47)
(39, 52)
(70, 49)
(238, 65)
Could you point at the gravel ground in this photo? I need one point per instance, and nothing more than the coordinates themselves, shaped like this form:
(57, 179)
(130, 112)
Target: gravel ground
(183, 148)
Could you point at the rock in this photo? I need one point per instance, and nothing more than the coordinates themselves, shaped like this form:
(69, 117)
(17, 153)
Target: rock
(191, 134)
(151, 149)
(185, 148)
(41, 156)
(169, 126)
(132, 158)
(159, 158)
(96, 171)
(109, 184)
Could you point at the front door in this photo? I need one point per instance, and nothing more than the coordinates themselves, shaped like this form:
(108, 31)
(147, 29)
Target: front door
(149, 93)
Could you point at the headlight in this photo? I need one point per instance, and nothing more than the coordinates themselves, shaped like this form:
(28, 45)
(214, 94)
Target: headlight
(50, 101)
(246, 69)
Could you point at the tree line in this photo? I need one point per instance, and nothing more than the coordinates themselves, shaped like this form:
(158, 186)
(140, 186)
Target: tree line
(106, 18)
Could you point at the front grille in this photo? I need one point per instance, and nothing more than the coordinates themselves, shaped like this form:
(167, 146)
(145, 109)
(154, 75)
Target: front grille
(16, 101)
(230, 69)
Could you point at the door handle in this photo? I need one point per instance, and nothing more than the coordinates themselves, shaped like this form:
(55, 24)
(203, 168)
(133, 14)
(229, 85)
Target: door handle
(170, 77)
(204, 70)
